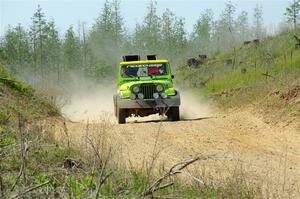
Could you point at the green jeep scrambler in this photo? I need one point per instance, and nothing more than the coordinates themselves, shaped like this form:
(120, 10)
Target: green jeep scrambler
(145, 88)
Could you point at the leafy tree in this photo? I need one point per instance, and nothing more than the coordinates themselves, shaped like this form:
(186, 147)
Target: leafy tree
(292, 12)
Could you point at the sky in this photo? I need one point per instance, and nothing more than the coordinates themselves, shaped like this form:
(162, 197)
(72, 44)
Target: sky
(67, 12)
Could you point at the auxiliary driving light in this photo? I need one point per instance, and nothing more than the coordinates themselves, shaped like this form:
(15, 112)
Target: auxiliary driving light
(159, 88)
(164, 95)
(141, 96)
(155, 95)
(133, 96)
(135, 89)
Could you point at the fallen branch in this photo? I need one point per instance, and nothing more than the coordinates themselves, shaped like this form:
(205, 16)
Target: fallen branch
(156, 185)
(174, 170)
(163, 186)
(31, 189)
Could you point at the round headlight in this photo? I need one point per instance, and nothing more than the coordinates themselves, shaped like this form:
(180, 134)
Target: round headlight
(155, 95)
(135, 89)
(133, 96)
(159, 88)
(141, 96)
(164, 95)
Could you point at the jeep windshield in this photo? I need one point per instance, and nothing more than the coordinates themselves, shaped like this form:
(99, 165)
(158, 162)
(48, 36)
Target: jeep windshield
(144, 70)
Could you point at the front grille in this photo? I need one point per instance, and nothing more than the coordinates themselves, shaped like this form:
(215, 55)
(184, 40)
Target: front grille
(148, 90)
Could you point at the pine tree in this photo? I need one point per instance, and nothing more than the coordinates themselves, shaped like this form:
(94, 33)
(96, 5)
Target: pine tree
(71, 51)
(180, 40)
(104, 21)
(168, 32)
(201, 36)
(105, 40)
(53, 56)
(258, 22)
(224, 33)
(38, 38)
(15, 48)
(173, 35)
(242, 27)
(292, 12)
(148, 34)
(117, 21)
(228, 16)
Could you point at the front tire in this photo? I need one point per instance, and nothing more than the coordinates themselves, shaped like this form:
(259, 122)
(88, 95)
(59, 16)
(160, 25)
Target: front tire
(173, 113)
(121, 116)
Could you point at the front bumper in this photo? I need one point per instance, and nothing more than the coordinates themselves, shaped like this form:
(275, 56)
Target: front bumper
(149, 103)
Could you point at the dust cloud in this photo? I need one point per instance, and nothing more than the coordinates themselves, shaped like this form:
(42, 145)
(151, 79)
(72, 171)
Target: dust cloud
(88, 102)
(194, 106)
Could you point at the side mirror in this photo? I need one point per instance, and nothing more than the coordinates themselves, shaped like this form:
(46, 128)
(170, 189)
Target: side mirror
(172, 76)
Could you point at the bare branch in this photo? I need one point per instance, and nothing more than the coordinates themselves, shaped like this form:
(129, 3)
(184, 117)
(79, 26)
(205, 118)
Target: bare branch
(156, 185)
(31, 189)
(164, 186)
(1, 187)
(24, 149)
(174, 170)
(101, 178)
(66, 133)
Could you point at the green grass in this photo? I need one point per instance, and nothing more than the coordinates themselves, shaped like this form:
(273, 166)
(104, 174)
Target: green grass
(4, 117)
(229, 87)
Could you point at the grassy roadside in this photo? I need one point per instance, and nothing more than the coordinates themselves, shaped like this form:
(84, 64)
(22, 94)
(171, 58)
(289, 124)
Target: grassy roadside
(264, 74)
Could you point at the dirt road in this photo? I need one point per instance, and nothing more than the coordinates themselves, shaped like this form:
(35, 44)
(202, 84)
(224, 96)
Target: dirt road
(263, 152)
